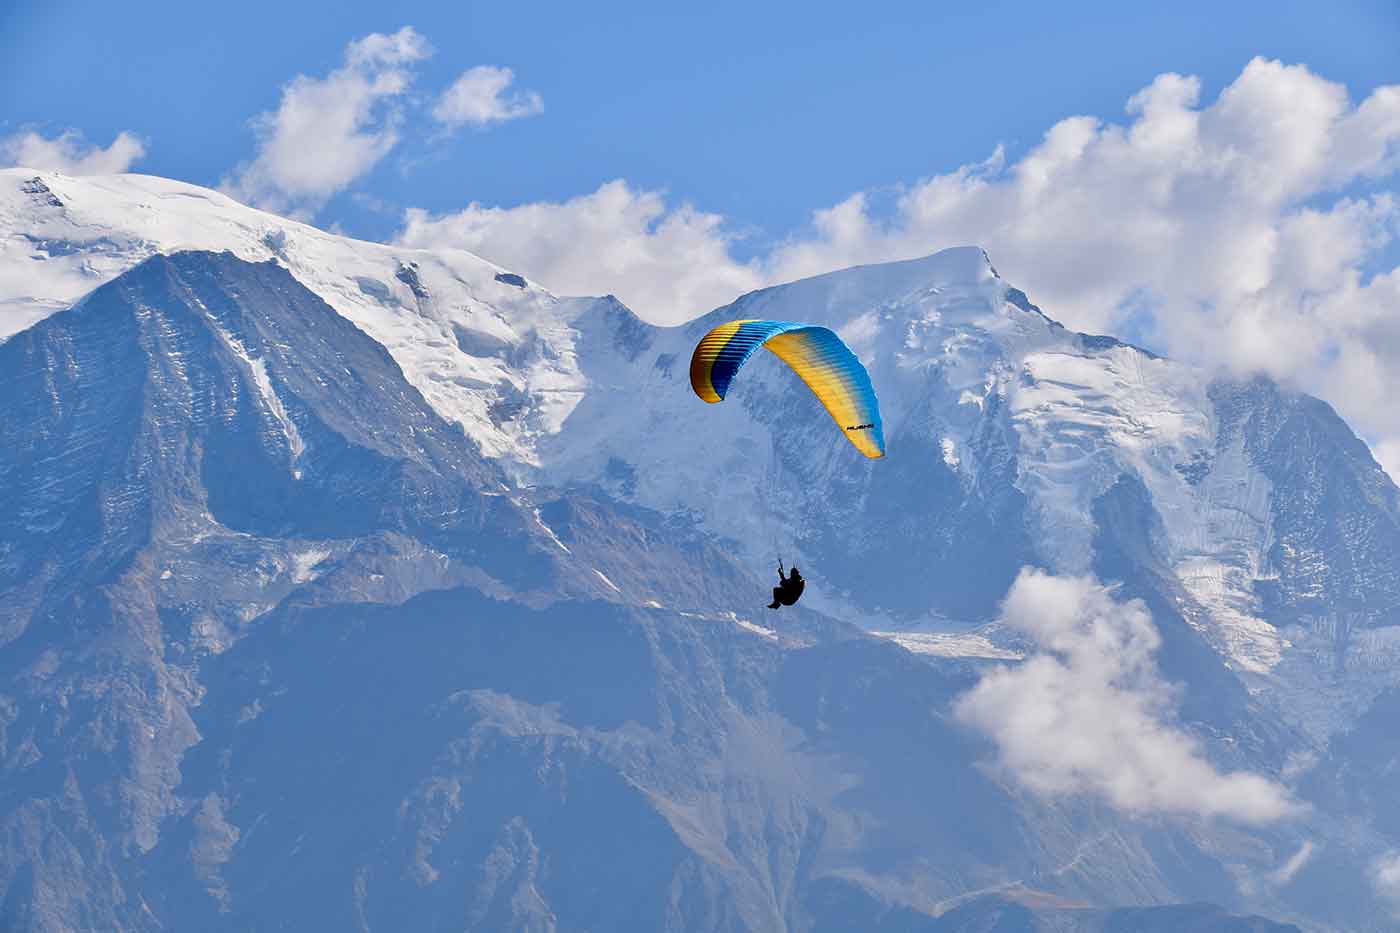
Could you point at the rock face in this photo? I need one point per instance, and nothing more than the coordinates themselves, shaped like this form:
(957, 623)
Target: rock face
(350, 587)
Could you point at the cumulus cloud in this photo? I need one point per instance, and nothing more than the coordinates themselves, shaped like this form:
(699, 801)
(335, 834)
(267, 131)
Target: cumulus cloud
(616, 240)
(482, 96)
(668, 263)
(70, 153)
(1241, 232)
(1211, 212)
(1088, 712)
(327, 132)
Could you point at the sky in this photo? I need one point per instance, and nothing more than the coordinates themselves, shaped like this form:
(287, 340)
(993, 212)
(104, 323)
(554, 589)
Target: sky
(1214, 181)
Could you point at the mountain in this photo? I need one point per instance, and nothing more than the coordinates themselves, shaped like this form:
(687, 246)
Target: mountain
(346, 586)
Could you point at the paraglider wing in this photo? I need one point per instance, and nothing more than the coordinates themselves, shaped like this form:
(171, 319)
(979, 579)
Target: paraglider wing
(819, 357)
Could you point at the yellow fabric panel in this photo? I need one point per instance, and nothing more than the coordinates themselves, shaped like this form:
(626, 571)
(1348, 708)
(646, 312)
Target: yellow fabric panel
(830, 385)
(703, 359)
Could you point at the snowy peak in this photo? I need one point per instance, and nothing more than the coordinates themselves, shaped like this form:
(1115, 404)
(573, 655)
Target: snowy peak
(947, 343)
(841, 299)
(199, 405)
(236, 398)
(488, 349)
(448, 318)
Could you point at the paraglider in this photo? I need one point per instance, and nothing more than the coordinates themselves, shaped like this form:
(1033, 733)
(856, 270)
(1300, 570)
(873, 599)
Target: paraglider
(789, 588)
(822, 361)
(819, 357)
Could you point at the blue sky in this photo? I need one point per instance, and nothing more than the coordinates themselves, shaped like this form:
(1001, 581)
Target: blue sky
(759, 112)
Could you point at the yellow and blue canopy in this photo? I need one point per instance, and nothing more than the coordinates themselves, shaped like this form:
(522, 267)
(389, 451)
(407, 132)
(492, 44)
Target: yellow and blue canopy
(819, 357)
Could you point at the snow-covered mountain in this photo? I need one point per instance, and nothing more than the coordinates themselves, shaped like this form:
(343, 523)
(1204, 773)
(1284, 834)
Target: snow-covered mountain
(494, 592)
(467, 334)
(1273, 528)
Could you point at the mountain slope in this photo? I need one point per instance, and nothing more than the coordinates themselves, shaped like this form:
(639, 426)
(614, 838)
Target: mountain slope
(157, 432)
(198, 442)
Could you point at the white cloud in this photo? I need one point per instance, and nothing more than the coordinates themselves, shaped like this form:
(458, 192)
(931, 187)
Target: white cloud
(70, 153)
(1206, 210)
(1385, 878)
(615, 240)
(1088, 713)
(1225, 229)
(481, 96)
(328, 132)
